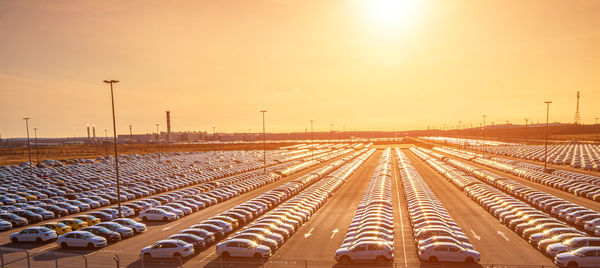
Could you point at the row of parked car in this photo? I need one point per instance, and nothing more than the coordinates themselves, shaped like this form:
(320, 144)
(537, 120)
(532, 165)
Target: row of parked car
(436, 234)
(370, 236)
(584, 156)
(583, 185)
(80, 231)
(181, 203)
(20, 211)
(579, 216)
(265, 234)
(522, 214)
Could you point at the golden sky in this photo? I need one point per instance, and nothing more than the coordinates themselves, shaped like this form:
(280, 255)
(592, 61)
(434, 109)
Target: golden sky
(356, 64)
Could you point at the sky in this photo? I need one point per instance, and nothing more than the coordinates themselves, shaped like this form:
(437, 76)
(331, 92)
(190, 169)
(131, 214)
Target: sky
(356, 64)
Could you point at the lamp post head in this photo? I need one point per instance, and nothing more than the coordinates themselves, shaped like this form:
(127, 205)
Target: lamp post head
(111, 81)
(547, 102)
(263, 111)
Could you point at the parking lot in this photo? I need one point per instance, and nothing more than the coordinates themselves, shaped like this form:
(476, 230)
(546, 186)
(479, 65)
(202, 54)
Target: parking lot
(313, 208)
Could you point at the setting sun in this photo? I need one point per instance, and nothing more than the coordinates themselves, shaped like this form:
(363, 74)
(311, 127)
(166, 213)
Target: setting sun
(392, 14)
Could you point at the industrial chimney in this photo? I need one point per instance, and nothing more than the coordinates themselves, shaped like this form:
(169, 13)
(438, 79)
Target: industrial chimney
(168, 126)
(94, 132)
(88, 132)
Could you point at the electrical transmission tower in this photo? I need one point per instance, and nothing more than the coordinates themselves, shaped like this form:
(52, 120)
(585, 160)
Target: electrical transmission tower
(577, 119)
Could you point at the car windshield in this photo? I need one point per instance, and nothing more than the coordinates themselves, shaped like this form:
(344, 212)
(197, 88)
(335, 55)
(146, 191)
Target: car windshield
(87, 235)
(127, 221)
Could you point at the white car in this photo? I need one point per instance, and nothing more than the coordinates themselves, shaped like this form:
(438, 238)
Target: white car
(238, 247)
(33, 234)
(5, 225)
(369, 250)
(81, 239)
(137, 227)
(156, 214)
(169, 248)
(583, 257)
(451, 252)
(572, 244)
(126, 211)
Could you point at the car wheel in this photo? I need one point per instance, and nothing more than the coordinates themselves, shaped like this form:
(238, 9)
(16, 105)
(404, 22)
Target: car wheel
(64, 244)
(90, 245)
(225, 254)
(38, 240)
(470, 260)
(147, 255)
(257, 255)
(15, 240)
(572, 264)
(165, 219)
(433, 259)
(345, 259)
(144, 218)
(176, 255)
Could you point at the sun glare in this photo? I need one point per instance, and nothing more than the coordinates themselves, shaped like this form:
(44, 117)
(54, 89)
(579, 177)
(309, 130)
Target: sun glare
(392, 14)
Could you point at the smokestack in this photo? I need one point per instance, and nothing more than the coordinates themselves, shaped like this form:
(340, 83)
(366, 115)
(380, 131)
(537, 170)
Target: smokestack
(94, 132)
(168, 126)
(88, 131)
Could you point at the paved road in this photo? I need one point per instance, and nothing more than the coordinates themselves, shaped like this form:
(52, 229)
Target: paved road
(476, 223)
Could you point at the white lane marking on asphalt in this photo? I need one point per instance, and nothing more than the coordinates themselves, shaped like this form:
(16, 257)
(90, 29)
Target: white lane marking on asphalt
(207, 257)
(333, 233)
(476, 236)
(169, 227)
(309, 233)
(401, 221)
(502, 234)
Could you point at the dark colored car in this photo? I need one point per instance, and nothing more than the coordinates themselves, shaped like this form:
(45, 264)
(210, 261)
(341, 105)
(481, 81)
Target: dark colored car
(30, 216)
(101, 231)
(197, 241)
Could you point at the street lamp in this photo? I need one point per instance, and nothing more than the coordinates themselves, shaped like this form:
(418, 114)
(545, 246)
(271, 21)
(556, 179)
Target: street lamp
(483, 137)
(28, 146)
(526, 122)
(111, 82)
(546, 144)
(264, 143)
(37, 155)
(596, 135)
(130, 135)
(312, 141)
(105, 141)
(157, 143)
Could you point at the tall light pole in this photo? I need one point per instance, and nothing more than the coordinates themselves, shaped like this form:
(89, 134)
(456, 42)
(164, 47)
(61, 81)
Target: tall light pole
(157, 142)
(507, 131)
(546, 144)
(483, 137)
(596, 135)
(214, 140)
(37, 155)
(28, 146)
(526, 122)
(130, 135)
(264, 143)
(312, 141)
(105, 141)
(459, 129)
(111, 82)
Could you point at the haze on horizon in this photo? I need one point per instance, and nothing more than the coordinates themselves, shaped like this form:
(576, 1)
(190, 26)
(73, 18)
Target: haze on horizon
(358, 64)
